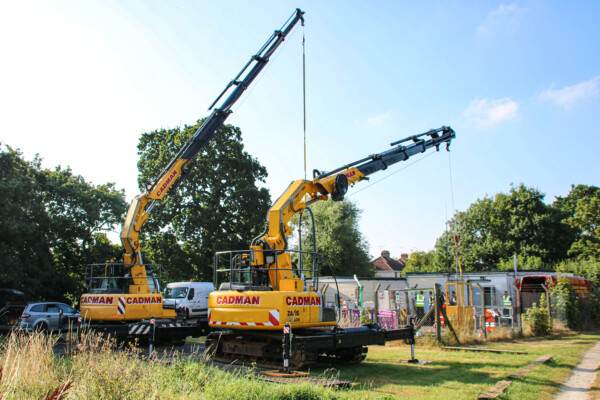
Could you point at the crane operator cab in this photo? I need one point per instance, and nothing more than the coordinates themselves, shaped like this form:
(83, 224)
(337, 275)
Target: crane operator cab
(249, 293)
(241, 274)
(110, 296)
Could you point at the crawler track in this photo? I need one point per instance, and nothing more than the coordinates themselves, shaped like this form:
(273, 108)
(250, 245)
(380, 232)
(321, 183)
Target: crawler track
(310, 347)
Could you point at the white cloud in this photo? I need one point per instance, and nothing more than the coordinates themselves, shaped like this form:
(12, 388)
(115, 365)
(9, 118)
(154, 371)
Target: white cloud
(568, 96)
(379, 120)
(485, 113)
(506, 15)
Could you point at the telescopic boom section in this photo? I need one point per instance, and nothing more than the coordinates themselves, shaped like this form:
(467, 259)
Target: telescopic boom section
(334, 185)
(179, 166)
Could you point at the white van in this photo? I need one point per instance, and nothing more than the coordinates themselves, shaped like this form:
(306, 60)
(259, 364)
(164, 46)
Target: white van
(192, 297)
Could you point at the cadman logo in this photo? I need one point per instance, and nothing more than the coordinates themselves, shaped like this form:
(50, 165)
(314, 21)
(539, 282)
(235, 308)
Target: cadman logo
(144, 300)
(239, 300)
(97, 300)
(167, 182)
(350, 174)
(305, 301)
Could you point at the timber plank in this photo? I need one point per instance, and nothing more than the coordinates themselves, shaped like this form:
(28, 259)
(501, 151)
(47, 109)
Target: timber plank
(501, 386)
(495, 391)
(528, 368)
(483, 349)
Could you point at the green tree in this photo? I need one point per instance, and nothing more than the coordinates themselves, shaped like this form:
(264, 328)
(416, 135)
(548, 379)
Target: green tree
(537, 319)
(218, 206)
(49, 227)
(523, 263)
(582, 213)
(25, 258)
(491, 230)
(444, 254)
(338, 238)
(420, 261)
(565, 303)
(589, 269)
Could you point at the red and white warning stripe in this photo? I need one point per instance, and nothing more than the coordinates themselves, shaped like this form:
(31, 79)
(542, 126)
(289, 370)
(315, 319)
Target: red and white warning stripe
(273, 321)
(121, 306)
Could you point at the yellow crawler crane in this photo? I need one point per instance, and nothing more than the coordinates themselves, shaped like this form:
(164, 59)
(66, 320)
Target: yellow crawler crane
(126, 292)
(262, 289)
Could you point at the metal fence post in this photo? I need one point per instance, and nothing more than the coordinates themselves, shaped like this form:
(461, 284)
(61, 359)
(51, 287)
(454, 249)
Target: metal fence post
(438, 325)
(376, 298)
(482, 317)
(547, 300)
(518, 308)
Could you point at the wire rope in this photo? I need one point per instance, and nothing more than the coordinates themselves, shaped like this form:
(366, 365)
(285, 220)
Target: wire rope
(385, 177)
(304, 93)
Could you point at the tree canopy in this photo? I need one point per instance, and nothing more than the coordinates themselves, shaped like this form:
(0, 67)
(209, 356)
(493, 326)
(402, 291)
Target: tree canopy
(338, 238)
(218, 206)
(582, 210)
(493, 229)
(51, 226)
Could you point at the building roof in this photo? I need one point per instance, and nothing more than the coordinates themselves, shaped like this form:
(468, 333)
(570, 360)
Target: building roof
(385, 263)
(477, 273)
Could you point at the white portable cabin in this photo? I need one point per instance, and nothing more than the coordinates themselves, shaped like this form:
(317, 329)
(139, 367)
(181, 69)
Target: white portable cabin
(348, 288)
(493, 283)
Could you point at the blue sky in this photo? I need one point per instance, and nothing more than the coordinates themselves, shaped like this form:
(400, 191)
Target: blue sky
(519, 82)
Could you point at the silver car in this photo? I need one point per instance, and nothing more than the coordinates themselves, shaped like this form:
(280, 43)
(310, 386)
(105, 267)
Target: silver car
(49, 317)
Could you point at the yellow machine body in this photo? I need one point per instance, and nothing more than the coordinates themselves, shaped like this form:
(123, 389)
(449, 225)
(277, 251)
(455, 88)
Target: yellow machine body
(140, 303)
(266, 310)
(123, 307)
(287, 300)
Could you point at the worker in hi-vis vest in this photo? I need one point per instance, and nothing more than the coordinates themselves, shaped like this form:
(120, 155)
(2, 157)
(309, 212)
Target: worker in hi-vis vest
(507, 301)
(507, 304)
(420, 304)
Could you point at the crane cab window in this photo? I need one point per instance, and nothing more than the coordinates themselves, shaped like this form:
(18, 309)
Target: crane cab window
(153, 284)
(106, 285)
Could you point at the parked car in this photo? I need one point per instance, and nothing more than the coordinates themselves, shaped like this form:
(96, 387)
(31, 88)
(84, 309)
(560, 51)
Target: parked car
(49, 317)
(12, 304)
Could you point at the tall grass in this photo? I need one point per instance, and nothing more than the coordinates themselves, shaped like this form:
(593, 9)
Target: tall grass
(102, 370)
(28, 367)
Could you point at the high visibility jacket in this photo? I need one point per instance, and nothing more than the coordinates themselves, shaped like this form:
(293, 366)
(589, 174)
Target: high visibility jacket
(490, 321)
(420, 300)
(507, 301)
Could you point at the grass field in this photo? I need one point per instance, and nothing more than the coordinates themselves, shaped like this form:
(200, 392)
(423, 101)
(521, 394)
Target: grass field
(30, 370)
(464, 374)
